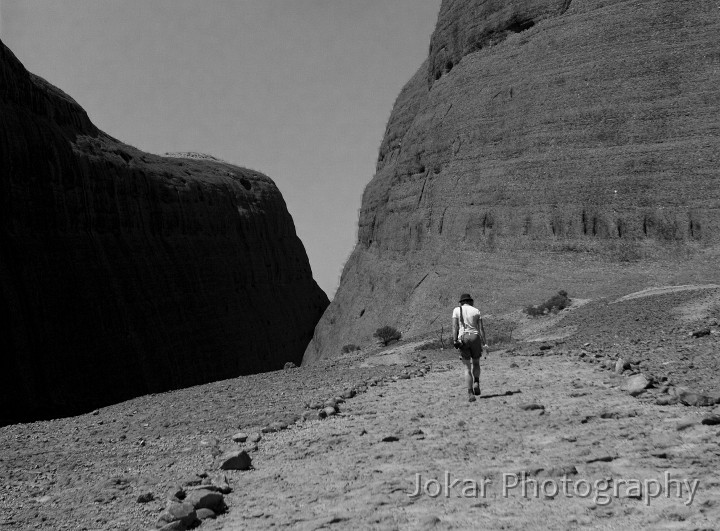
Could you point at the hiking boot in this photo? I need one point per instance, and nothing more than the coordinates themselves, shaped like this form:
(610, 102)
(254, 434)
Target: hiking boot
(476, 388)
(471, 396)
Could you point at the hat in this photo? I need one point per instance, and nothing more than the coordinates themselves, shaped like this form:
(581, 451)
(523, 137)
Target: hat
(465, 297)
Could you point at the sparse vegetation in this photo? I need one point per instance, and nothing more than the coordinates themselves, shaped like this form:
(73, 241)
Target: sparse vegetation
(347, 349)
(627, 251)
(386, 334)
(435, 344)
(498, 337)
(554, 304)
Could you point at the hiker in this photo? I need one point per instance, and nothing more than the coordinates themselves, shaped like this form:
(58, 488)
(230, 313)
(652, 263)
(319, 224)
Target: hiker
(469, 338)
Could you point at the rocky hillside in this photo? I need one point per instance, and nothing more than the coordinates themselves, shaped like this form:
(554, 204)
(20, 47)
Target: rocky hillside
(124, 273)
(543, 144)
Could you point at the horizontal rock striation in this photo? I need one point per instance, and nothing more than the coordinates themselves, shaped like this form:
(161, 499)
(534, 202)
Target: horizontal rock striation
(535, 133)
(124, 273)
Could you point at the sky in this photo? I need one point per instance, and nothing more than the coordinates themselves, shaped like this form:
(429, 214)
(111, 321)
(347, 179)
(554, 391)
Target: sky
(300, 90)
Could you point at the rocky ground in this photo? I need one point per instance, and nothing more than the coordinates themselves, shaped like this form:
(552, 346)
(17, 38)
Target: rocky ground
(557, 410)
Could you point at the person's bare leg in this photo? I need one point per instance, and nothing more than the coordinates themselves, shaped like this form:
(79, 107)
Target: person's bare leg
(475, 375)
(469, 378)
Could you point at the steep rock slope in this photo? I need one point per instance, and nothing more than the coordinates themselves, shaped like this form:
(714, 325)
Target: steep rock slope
(541, 143)
(124, 273)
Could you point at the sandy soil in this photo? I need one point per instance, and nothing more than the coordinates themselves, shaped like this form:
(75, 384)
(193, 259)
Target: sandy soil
(552, 413)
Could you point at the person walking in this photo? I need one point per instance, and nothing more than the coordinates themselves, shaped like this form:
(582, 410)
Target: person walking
(469, 338)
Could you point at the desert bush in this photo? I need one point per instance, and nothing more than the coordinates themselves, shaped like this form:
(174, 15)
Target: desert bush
(386, 334)
(554, 304)
(347, 349)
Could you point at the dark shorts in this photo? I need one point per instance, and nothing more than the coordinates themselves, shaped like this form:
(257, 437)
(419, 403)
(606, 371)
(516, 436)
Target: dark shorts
(472, 346)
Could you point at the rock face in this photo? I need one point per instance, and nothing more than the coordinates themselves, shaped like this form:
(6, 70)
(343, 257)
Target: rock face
(536, 132)
(124, 273)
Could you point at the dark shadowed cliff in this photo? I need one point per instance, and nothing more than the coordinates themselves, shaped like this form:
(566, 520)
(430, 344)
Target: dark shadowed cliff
(543, 145)
(124, 273)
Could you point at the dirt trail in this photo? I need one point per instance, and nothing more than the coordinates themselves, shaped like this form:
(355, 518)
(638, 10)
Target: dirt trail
(340, 474)
(570, 426)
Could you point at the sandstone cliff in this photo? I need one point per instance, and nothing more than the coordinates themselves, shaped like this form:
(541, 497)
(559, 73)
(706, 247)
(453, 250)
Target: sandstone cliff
(542, 143)
(124, 273)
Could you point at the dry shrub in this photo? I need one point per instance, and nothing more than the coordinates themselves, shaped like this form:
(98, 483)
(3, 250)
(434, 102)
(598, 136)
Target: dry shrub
(554, 304)
(386, 334)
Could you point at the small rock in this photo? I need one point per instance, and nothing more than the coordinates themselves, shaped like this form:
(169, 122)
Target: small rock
(329, 411)
(204, 514)
(275, 426)
(514, 365)
(601, 459)
(145, 497)
(667, 400)
(428, 522)
(240, 437)
(322, 414)
(711, 420)
(255, 438)
(182, 512)
(349, 393)
(236, 461)
(690, 398)
(206, 499)
(194, 480)
(390, 438)
(685, 424)
(700, 333)
(555, 472)
(307, 415)
(316, 405)
(289, 365)
(621, 365)
(531, 406)
(177, 493)
(636, 385)
(220, 482)
(177, 525)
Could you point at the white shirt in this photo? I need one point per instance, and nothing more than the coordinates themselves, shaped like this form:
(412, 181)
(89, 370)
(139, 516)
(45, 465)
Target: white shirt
(470, 323)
